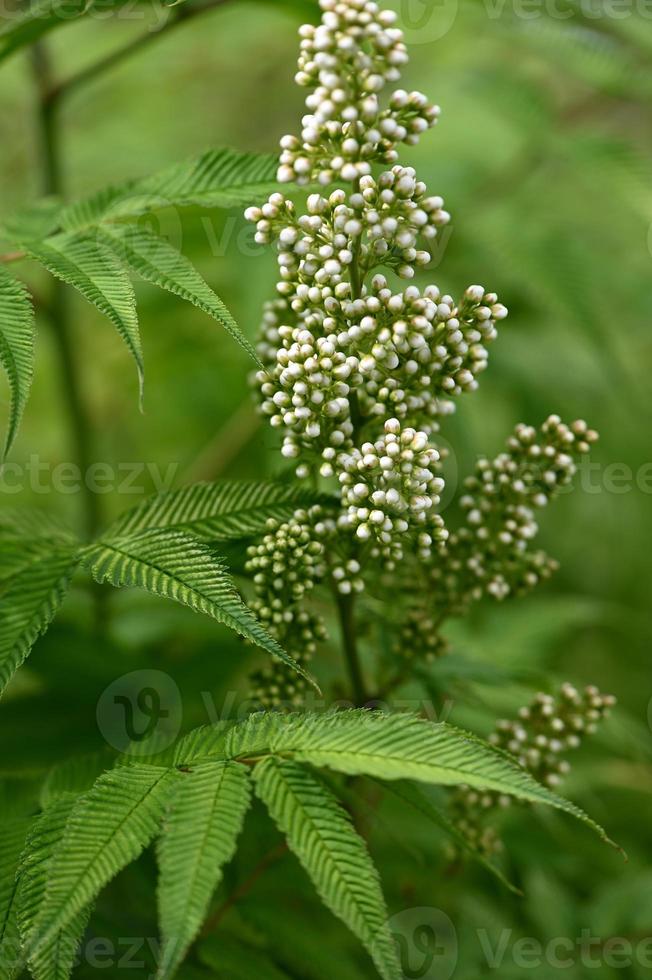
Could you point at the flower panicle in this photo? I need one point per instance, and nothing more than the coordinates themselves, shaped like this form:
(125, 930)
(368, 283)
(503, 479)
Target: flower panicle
(539, 738)
(359, 372)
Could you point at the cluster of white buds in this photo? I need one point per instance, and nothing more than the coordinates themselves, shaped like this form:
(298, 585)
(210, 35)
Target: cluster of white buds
(379, 222)
(347, 578)
(285, 567)
(290, 558)
(489, 553)
(390, 490)
(276, 688)
(346, 62)
(543, 732)
(419, 639)
(422, 349)
(392, 214)
(276, 312)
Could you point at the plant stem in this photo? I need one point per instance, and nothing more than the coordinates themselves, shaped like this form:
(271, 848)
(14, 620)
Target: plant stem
(181, 16)
(52, 182)
(346, 603)
(346, 609)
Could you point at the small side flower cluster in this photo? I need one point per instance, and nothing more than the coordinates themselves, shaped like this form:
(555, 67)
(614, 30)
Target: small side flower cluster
(346, 62)
(544, 732)
(286, 566)
(419, 639)
(490, 553)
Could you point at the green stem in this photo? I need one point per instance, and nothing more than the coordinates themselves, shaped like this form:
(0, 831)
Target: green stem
(346, 612)
(52, 182)
(346, 603)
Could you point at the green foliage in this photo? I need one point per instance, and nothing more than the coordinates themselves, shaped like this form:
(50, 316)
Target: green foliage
(28, 602)
(390, 747)
(159, 547)
(53, 960)
(195, 809)
(155, 260)
(570, 113)
(12, 843)
(107, 828)
(323, 838)
(89, 246)
(16, 348)
(216, 511)
(175, 565)
(199, 838)
(83, 262)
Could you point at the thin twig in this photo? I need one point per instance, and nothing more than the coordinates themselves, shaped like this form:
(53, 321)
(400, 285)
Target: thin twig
(57, 311)
(182, 15)
(226, 445)
(243, 890)
(12, 256)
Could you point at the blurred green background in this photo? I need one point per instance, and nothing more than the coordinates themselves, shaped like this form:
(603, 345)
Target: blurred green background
(544, 157)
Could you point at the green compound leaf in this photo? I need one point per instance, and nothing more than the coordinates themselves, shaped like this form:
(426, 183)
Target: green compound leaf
(107, 828)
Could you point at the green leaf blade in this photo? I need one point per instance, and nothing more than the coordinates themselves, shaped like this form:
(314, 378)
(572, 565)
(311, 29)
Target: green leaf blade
(29, 602)
(216, 178)
(16, 349)
(174, 565)
(82, 261)
(107, 829)
(388, 747)
(321, 834)
(12, 841)
(55, 959)
(220, 178)
(156, 261)
(221, 511)
(199, 838)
